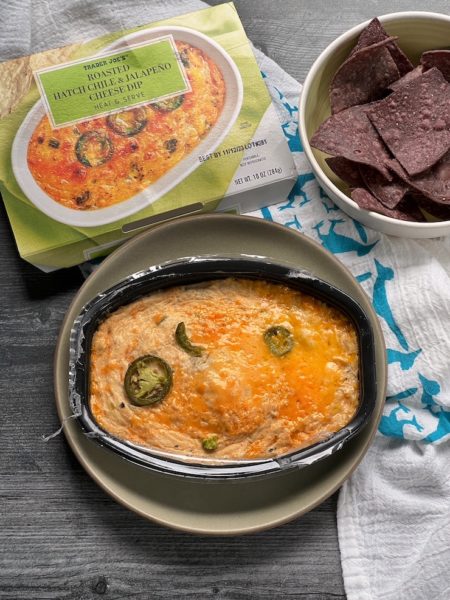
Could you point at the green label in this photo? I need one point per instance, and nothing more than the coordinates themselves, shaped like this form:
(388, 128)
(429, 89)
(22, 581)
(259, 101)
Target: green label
(112, 82)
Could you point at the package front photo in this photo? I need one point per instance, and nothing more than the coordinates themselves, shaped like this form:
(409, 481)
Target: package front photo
(103, 139)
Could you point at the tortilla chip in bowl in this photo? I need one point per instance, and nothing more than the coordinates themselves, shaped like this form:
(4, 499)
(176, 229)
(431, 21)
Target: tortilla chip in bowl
(375, 123)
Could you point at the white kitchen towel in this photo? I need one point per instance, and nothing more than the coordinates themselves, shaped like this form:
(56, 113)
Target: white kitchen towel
(394, 512)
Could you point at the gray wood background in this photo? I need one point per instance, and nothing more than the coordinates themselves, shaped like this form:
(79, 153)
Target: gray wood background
(61, 537)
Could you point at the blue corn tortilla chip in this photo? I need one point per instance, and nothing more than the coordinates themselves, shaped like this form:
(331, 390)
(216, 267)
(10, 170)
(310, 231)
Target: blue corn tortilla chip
(439, 59)
(435, 209)
(375, 32)
(363, 77)
(410, 76)
(346, 170)
(406, 210)
(389, 193)
(414, 121)
(393, 153)
(433, 183)
(351, 135)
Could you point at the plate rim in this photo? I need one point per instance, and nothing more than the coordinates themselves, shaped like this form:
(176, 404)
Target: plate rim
(198, 530)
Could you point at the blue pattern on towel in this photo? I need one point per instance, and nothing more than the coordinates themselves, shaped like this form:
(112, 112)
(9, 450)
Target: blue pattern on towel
(413, 412)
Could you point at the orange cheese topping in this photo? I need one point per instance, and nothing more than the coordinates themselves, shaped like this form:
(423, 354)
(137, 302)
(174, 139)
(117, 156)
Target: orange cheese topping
(256, 403)
(119, 165)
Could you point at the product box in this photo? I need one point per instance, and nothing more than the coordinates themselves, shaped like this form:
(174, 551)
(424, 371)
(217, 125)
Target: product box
(101, 140)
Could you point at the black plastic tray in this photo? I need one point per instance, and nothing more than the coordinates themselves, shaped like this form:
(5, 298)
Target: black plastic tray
(193, 270)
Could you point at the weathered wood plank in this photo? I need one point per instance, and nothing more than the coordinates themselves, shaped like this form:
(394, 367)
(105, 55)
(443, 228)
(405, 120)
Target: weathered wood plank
(62, 537)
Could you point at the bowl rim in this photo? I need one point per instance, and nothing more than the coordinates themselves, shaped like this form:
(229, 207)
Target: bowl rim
(196, 269)
(318, 171)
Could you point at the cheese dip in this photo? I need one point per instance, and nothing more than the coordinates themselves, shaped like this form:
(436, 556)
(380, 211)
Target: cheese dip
(229, 368)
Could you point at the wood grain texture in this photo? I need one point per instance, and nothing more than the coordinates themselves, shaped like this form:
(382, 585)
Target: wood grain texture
(294, 32)
(62, 537)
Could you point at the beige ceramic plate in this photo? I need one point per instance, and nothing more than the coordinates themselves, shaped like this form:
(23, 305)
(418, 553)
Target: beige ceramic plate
(216, 508)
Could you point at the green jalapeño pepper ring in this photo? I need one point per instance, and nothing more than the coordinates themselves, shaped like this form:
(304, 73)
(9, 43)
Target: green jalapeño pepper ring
(128, 122)
(148, 380)
(94, 149)
(168, 105)
(279, 340)
(184, 342)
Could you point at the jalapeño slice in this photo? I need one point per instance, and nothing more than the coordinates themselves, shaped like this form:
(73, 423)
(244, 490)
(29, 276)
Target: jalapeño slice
(279, 340)
(148, 380)
(169, 105)
(183, 341)
(128, 122)
(184, 55)
(210, 443)
(94, 149)
(171, 145)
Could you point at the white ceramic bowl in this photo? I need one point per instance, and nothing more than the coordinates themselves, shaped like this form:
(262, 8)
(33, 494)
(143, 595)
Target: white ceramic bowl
(417, 32)
(110, 214)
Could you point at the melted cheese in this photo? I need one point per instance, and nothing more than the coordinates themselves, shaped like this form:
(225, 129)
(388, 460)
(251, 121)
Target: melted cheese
(258, 404)
(138, 160)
